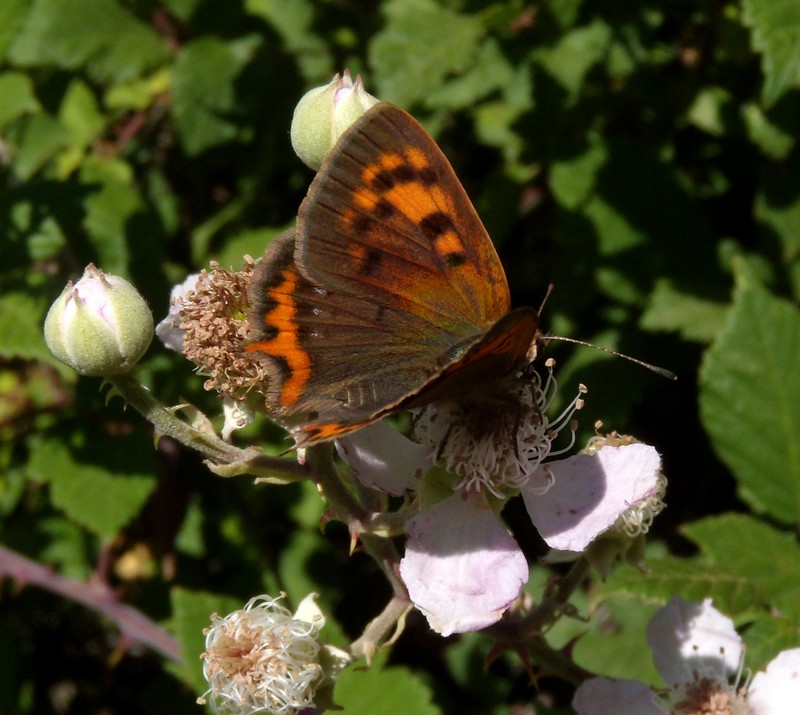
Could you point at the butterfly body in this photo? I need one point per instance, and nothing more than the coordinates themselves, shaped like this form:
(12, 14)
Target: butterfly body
(388, 294)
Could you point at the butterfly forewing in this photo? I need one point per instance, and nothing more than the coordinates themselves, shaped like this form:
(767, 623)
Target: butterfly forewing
(387, 218)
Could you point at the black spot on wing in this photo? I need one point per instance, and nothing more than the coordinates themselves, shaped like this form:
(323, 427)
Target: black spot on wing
(363, 224)
(371, 262)
(435, 224)
(428, 176)
(455, 259)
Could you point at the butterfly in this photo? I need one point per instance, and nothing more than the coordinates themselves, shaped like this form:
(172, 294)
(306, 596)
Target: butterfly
(387, 295)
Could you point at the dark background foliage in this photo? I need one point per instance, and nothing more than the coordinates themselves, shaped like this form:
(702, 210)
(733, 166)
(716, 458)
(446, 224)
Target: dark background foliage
(642, 157)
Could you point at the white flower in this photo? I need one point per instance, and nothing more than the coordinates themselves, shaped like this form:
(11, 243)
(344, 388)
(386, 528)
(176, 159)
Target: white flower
(696, 650)
(461, 566)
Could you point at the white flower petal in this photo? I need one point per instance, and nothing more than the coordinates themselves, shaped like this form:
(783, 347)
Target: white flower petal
(589, 493)
(462, 568)
(686, 637)
(168, 330)
(776, 691)
(310, 612)
(604, 696)
(237, 416)
(384, 459)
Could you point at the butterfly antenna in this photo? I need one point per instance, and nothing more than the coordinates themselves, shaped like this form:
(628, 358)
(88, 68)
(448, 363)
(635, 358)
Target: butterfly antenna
(545, 299)
(655, 368)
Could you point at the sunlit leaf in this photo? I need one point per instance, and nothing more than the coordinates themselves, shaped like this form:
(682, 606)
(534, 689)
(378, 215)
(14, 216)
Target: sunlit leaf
(749, 382)
(776, 33)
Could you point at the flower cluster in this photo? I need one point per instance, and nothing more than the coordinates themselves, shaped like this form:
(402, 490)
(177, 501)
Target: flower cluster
(462, 567)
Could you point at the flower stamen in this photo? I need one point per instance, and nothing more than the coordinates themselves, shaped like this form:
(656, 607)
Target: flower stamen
(496, 445)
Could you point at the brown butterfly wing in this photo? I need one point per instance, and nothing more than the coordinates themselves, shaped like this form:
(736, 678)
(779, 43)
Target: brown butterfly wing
(389, 278)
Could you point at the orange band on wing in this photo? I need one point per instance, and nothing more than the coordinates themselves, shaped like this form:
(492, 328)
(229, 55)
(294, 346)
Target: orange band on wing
(285, 345)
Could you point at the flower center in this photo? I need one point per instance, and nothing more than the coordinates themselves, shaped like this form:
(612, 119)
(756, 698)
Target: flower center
(495, 445)
(710, 696)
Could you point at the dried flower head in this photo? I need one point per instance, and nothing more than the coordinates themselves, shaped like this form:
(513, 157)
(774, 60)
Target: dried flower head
(213, 316)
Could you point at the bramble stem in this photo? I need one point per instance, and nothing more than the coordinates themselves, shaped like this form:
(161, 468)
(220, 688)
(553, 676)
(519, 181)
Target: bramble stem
(224, 458)
(348, 510)
(133, 624)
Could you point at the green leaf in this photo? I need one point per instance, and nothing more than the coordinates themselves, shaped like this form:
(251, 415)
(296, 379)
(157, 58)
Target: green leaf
(138, 93)
(573, 180)
(12, 16)
(191, 613)
(295, 23)
(389, 691)
(614, 644)
(66, 548)
(21, 317)
(693, 579)
(749, 382)
(203, 93)
(38, 138)
(491, 72)
(696, 318)
(108, 218)
(709, 109)
(737, 543)
(100, 35)
(572, 58)
(769, 137)
(16, 89)
(768, 637)
(252, 243)
(182, 9)
(778, 211)
(101, 501)
(420, 46)
(80, 114)
(306, 547)
(776, 34)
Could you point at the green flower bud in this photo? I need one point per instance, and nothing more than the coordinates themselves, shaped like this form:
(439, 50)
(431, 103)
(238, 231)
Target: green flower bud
(323, 114)
(100, 325)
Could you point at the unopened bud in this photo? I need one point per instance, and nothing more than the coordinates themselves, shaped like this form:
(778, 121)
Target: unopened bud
(99, 325)
(324, 113)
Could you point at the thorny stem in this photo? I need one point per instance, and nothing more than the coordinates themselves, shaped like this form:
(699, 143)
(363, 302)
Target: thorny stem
(526, 632)
(347, 509)
(133, 624)
(378, 628)
(226, 459)
(552, 605)
(556, 661)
